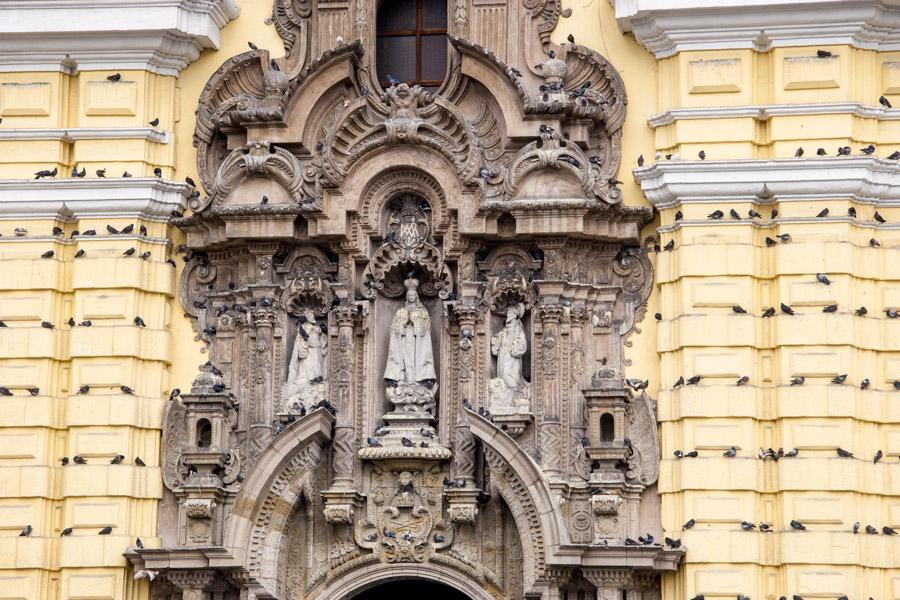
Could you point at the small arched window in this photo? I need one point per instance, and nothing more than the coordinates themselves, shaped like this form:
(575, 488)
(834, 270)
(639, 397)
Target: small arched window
(204, 433)
(607, 428)
(411, 42)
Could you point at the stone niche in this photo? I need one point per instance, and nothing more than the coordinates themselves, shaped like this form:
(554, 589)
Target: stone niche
(416, 343)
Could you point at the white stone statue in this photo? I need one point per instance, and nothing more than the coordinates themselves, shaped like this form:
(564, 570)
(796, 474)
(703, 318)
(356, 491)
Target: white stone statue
(509, 392)
(305, 382)
(409, 371)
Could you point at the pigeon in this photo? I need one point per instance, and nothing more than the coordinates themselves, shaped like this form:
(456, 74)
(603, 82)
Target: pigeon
(438, 538)
(371, 537)
(743, 380)
(374, 442)
(770, 242)
(831, 308)
(769, 312)
(701, 155)
(868, 150)
(129, 252)
(765, 527)
(640, 160)
(799, 152)
(895, 155)
(79, 460)
(678, 454)
(851, 212)
(672, 543)
(734, 214)
(879, 218)
(738, 309)
(126, 390)
(66, 531)
(154, 122)
(823, 213)
(822, 278)
(856, 527)
(79, 174)
(126, 174)
(843, 453)
(861, 311)
(46, 324)
(884, 102)
(843, 151)
(746, 526)
(821, 152)
(101, 173)
(47, 254)
(46, 173)
(86, 323)
(34, 391)
(878, 456)
(388, 533)
(798, 525)
(658, 316)
(731, 452)
(127, 229)
(144, 255)
(4, 391)
(823, 53)
(888, 530)
(157, 172)
(798, 380)
(678, 383)
(117, 460)
(138, 462)
(699, 597)
(114, 77)
(630, 542)
(784, 237)
(84, 389)
(753, 214)
(139, 322)
(786, 309)
(715, 215)
(80, 253)
(791, 453)
(864, 383)
(897, 384)
(688, 524)
(64, 461)
(839, 379)
(892, 313)
(90, 232)
(112, 230)
(105, 531)
(670, 246)
(691, 454)
(26, 531)
(871, 530)
(571, 38)
(694, 380)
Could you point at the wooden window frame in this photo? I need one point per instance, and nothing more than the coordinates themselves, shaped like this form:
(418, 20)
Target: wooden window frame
(419, 32)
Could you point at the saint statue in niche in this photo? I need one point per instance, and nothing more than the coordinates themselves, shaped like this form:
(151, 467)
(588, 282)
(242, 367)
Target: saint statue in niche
(409, 372)
(305, 382)
(509, 391)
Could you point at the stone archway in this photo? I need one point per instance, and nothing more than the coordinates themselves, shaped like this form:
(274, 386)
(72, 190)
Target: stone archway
(354, 584)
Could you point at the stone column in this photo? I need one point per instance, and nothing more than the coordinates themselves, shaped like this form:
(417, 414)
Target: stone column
(343, 394)
(577, 409)
(610, 583)
(264, 324)
(551, 428)
(193, 584)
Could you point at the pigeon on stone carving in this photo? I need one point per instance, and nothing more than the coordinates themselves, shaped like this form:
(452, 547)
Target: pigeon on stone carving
(373, 442)
(797, 525)
(46, 173)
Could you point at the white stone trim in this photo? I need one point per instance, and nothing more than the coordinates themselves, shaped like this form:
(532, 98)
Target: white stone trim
(764, 111)
(150, 134)
(666, 27)
(161, 36)
(146, 198)
(860, 179)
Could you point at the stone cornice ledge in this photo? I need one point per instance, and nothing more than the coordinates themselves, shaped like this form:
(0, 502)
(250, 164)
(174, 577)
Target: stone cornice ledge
(162, 36)
(666, 27)
(861, 179)
(764, 112)
(146, 198)
(150, 134)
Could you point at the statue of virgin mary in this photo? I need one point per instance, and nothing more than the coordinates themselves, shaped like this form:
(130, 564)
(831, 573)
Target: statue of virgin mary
(410, 356)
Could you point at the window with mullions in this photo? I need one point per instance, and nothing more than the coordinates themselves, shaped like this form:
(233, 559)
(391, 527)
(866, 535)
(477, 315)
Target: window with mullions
(411, 41)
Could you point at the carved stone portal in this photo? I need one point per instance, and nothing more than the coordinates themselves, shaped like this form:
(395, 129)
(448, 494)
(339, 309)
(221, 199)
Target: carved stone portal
(416, 345)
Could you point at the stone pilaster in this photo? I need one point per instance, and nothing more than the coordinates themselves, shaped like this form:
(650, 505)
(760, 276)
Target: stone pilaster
(549, 402)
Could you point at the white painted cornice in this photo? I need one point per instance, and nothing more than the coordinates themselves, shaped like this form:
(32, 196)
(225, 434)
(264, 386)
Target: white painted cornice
(861, 179)
(666, 27)
(162, 36)
(765, 111)
(146, 198)
(87, 133)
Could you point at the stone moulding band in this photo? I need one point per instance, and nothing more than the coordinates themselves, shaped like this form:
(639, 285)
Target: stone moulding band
(87, 133)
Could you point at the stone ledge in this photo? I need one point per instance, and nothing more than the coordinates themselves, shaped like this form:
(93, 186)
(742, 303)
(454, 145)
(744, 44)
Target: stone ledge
(666, 27)
(148, 198)
(151, 134)
(161, 36)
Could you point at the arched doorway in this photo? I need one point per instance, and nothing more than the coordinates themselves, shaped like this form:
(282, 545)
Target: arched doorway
(411, 588)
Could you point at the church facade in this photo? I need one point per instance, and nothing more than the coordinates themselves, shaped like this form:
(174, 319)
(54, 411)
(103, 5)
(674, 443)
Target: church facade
(485, 299)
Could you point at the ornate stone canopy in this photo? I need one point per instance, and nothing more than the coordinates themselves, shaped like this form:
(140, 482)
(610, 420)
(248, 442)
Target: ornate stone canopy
(419, 217)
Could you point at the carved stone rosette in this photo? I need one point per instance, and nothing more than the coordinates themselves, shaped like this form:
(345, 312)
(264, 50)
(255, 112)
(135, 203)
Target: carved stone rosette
(412, 238)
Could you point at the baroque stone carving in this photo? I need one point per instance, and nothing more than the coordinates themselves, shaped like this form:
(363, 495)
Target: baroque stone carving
(509, 392)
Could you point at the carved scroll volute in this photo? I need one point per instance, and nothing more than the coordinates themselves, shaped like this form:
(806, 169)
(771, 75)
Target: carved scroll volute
(345, 318)
(291, 19)
(643, 463)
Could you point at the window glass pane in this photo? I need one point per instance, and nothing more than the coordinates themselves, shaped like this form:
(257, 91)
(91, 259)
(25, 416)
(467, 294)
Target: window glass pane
(397, 56)
(434, 57)
(434, 14)
(397, 15)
